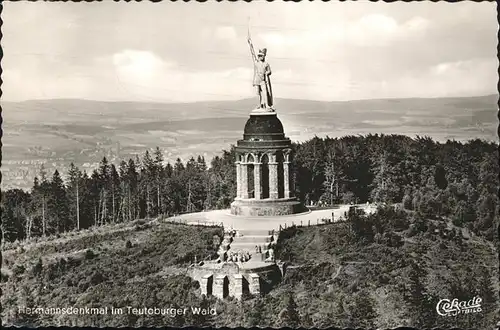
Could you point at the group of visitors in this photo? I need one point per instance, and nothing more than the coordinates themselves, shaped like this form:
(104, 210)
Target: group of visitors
(240, 256)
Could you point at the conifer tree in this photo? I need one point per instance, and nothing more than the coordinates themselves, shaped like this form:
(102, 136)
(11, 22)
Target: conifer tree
(132, 179)
(104, 184)
(15, 209)
(363, 313)
(124, 187)
(94, 192)
(58, 209)
(74, 194)
(40, 193)
(422, 302)
(115, 192)
(86, 204)
(255, 313)
(289, 315)
(148, 181)
(159, 180)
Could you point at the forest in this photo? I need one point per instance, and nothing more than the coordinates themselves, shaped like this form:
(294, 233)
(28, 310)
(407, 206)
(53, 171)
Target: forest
(385, 269)
(382, 270)
(456, 180)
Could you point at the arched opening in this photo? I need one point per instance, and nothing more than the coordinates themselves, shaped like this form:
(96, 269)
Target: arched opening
(206, 284)
(281, 182)
(225, 287)
(245, 286)
(291, 173)
(250, 175)
(210, 283)
(265, 176)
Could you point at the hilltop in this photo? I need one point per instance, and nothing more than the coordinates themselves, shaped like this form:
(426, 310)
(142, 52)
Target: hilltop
(337, 274)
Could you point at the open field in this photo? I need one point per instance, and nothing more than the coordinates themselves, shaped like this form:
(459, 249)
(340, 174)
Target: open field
(57, 132)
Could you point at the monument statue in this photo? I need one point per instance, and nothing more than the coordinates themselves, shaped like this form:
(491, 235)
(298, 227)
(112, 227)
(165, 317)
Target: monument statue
(261, 79)
(265, 182)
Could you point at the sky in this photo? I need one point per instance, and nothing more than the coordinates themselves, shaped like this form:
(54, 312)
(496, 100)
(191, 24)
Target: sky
(190, 52)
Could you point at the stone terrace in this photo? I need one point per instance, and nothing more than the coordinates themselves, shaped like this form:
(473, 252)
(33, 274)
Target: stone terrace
(267, 223)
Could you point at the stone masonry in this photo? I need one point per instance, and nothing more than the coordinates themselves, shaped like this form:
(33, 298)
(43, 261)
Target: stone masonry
(264, 184)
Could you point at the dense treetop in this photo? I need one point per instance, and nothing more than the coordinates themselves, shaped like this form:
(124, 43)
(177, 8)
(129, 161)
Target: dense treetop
(386, 269)
(453, 179)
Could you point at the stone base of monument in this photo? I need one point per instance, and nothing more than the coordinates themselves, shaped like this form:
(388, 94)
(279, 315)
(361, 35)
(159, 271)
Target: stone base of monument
(235, 279)
(263, 111)
(267, 207)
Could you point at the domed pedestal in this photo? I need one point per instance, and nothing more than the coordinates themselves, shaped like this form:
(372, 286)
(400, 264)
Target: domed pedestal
(263, 169)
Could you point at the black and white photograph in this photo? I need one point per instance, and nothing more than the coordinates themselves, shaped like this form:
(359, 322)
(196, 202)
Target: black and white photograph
(250, 164)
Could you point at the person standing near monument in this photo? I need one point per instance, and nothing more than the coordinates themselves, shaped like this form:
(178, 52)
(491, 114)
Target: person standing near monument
(261, 80)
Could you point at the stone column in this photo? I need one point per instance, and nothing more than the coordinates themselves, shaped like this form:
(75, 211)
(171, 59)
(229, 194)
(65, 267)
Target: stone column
(273, 177)
(254, 283)
(244, 180)
(257, 173)
(237, 286)
(238, 179)
(286, 179)
(218, 287)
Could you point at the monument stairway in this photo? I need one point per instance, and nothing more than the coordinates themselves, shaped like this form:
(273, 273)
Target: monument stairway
(246, 246)
(253, 232)
(248, 239)
(255, 239)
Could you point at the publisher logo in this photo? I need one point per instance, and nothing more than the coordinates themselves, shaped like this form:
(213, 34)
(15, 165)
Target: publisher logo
(445, 307)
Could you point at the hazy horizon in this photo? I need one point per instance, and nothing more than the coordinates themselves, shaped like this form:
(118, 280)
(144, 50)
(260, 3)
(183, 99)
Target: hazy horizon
(249, 98)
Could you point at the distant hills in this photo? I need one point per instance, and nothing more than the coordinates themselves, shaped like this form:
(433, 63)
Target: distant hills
(59, 131)
(64, 109)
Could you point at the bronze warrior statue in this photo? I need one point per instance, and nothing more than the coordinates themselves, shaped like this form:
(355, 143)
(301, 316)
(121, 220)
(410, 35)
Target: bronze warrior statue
(261, 79)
